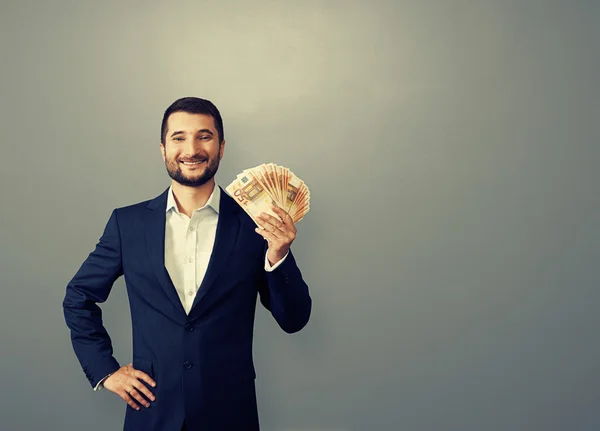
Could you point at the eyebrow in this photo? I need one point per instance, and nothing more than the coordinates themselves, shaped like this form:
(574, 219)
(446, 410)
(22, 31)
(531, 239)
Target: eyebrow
(179, 132)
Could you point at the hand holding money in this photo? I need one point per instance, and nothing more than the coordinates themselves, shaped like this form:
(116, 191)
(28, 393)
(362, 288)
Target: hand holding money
(275, 199)
(279, 233)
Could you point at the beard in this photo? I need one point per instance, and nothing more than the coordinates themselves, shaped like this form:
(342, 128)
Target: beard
(195, 179)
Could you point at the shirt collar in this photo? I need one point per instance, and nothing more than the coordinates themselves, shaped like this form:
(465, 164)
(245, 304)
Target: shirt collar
(213, 200)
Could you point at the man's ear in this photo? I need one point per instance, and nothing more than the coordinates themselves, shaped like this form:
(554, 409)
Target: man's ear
(221, 149)
(162, 152)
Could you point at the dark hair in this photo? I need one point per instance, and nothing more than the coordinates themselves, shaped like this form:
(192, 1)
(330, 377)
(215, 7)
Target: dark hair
(193, 105)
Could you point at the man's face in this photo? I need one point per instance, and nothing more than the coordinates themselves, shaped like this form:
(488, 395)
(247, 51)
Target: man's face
(191, 151)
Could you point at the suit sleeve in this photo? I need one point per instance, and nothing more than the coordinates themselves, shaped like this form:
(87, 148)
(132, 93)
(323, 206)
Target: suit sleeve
(285, 294)
(91, 285)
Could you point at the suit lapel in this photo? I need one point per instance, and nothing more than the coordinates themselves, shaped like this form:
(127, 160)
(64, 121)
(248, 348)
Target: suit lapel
(155, 240)
(225, 239)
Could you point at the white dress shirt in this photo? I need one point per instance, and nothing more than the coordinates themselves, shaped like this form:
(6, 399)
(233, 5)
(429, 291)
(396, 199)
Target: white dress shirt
(188, 245)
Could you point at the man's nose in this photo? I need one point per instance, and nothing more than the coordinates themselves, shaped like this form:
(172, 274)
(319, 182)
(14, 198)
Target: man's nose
(191, 147)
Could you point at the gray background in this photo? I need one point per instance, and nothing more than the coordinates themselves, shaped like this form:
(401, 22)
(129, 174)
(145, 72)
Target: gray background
(451, 148)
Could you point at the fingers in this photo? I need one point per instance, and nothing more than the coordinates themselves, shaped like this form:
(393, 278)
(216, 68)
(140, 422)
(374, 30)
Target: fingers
(281, 228)
(266, 235)
(141, 387)
(128, 383)
(276, 232)
(269, 222)
(128, 399)
(134, 392)
(279, 233)
(145, 377)
(285, 217)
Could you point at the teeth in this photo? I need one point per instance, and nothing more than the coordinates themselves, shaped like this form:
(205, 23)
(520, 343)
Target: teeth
(192, 163)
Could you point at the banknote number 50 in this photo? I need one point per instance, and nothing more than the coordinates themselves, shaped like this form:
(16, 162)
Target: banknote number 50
(240, 195)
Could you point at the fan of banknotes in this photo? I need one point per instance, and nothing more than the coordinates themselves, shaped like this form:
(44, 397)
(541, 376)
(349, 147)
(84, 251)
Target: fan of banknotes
(258, 188)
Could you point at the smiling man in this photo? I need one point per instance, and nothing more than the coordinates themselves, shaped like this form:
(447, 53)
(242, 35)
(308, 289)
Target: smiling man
(193, 265)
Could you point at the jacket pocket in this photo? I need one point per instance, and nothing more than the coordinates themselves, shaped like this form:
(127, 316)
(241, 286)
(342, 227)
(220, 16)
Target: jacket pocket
(144, 365)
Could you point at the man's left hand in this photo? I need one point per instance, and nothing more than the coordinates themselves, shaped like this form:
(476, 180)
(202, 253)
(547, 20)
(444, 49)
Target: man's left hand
(279, 233)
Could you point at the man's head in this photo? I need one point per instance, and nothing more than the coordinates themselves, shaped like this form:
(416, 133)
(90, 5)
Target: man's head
(192, 141)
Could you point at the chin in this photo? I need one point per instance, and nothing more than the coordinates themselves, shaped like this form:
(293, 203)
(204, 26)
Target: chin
(197, 182)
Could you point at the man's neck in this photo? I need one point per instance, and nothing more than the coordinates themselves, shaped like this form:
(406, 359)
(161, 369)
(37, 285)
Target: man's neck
(189, 199)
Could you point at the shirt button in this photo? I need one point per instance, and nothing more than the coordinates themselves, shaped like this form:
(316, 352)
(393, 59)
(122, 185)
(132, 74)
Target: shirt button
(190, 259)
(189, 328)
(191, 228)
(190, 293)
(187, 365)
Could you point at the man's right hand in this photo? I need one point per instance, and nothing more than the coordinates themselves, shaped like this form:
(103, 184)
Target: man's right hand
(126, 383)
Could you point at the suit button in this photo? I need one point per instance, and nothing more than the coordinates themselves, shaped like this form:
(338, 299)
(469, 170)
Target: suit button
(189, 328)
(187, 365)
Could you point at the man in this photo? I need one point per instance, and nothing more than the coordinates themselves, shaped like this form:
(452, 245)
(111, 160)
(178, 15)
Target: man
(194, 263)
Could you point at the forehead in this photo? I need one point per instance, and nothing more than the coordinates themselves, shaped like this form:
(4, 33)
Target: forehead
(187, 122)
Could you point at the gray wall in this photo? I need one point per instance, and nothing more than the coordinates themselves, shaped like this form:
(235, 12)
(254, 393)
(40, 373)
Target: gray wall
(451, 148)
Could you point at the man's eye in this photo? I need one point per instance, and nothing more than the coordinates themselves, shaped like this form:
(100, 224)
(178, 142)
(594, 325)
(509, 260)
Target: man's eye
(205, 137)
(178, 139)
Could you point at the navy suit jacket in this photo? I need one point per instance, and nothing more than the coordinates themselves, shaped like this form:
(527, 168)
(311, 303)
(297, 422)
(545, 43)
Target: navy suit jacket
(202, 362)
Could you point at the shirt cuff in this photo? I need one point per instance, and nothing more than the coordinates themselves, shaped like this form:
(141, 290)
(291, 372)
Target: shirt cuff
(100, 384)
(270, 268)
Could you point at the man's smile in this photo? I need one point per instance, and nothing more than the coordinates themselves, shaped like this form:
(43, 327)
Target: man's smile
(196, 163)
